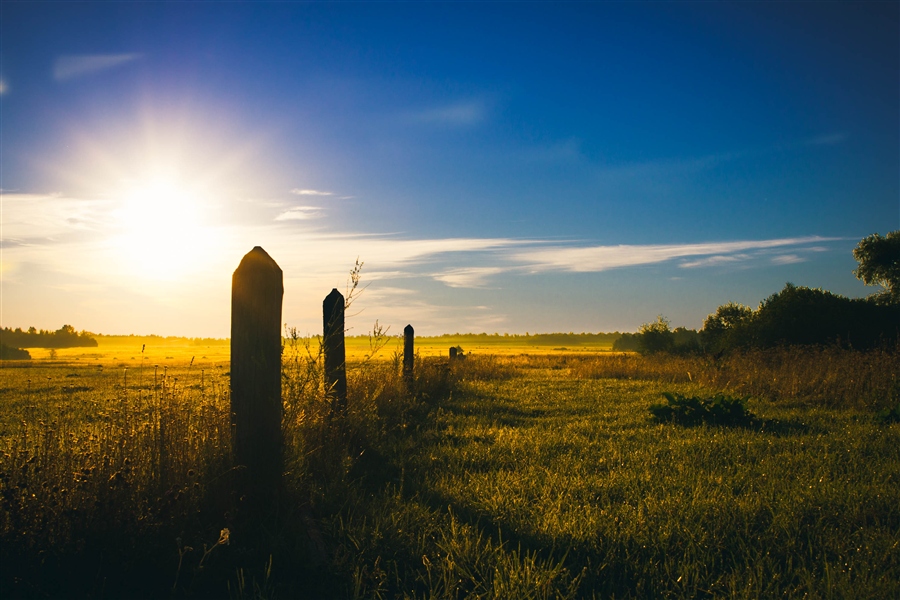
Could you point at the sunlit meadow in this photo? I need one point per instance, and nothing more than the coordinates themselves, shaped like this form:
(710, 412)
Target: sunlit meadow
(535, 475)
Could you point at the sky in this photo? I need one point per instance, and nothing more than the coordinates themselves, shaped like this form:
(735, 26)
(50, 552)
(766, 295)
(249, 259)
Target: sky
(496, 166)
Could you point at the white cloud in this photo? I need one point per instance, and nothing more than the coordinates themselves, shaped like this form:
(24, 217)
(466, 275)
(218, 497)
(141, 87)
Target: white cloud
(302, 192)
(714, 261)
(300, 213)
(49, 216)
(470, 277)
(74, 66)
(788, 259)
(603, 258)
(52, 240)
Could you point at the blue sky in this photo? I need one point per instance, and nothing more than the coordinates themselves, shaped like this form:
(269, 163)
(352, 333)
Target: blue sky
(498, 167)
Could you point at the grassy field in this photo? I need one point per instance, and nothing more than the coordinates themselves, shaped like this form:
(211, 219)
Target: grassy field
(131, 351)
(542, 485)
(502, 476)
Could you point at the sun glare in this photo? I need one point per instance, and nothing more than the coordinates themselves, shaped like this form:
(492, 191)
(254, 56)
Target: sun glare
(164, 229)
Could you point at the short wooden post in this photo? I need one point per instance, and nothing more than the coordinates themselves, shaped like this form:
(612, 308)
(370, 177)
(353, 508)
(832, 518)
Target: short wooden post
(408, 355)
(257, 290)
(453, 353)
(335, 355)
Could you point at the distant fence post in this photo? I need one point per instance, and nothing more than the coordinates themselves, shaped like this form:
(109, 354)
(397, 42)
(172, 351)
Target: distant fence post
(453, 353)
(257, 290)
(335, 355)
(408, 355)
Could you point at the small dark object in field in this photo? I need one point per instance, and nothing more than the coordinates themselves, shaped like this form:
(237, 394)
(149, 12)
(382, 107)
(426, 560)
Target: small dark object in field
(721, 409)
(889, 415)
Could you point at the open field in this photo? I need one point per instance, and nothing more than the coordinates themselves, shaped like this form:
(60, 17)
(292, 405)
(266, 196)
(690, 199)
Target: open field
(541, 485)
(131, 351)
(535, 476)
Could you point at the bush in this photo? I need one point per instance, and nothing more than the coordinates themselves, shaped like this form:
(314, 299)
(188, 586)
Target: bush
(889, 415)
(718, 410)
(8, 353)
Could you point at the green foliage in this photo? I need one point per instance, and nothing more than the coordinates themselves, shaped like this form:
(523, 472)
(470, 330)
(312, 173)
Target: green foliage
(725, 328)
(889, 415)
(627, 342)
(802, 316)
(879, 264)
(720, 409)
(656, 336)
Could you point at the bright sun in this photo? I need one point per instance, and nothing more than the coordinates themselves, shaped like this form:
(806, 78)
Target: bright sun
(165, 229)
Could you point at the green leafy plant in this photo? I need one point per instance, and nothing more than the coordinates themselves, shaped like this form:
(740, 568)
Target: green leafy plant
(889, 415)
(720, 409)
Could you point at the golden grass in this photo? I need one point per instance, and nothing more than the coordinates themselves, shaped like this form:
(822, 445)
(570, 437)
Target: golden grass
(131, 351)
(830, 376)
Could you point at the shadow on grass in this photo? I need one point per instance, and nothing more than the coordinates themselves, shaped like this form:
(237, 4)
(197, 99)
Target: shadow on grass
(505, 412)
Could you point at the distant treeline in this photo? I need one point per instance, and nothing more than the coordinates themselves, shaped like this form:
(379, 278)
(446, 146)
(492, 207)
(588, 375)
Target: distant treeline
(158, 340)
(793, 316)
(64, 337)
(538, 339)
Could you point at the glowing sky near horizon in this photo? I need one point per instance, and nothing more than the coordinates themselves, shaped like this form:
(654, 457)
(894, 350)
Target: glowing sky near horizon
(498, 167)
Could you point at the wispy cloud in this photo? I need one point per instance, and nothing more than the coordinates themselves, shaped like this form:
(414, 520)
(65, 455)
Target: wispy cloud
(602, 258)
(714, 261)
(303, 192)
(469, 277)
(50, 216)
(788, 259)
(74, 66)
(300, 213)
(79, 242)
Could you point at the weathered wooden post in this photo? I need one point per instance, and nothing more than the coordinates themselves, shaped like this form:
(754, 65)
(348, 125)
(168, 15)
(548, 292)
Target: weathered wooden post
(335, 354)
(453, 353)
(408, 355)
(257, 290)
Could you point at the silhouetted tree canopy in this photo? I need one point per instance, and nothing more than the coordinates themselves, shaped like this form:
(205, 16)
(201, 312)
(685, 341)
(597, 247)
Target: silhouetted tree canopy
(879, 264)
(656, 336)
(64, 337)
(802, 316)
(724, 328)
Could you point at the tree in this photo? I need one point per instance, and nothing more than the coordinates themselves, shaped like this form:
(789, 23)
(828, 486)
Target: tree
(723, 328)
(655, 337)
(879, 264)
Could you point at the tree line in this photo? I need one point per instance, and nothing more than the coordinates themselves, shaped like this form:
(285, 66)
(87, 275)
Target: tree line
(796, 315)
(64, 337)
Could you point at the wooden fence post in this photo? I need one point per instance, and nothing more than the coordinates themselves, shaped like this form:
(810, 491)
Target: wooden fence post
(335, 355)
(408, 355)
(257, 290)
(453, 353)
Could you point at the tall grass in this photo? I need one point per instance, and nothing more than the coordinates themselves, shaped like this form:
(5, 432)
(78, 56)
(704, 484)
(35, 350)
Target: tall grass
(569, 486)
(92, 467)
(518, 476)
(811, 376)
